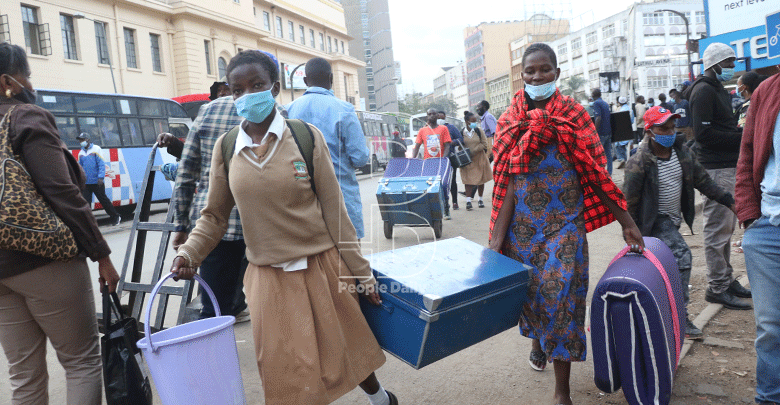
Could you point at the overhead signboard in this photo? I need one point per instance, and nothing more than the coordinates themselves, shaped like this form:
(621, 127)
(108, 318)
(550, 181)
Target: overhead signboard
(652, 62)
(742, 24)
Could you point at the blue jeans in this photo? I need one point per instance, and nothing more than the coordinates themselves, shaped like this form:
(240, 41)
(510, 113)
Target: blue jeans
(761, 244)
(606, 142)
(620, 150)
(223, 270)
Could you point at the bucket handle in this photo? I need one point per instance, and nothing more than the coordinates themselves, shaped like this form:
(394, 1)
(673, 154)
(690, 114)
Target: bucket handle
(156, 289)
(669, 291)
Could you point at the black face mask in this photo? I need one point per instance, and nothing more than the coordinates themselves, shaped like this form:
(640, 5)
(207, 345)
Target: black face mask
(27, 96)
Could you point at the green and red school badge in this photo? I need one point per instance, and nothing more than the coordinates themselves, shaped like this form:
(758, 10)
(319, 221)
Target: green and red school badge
(300, 170)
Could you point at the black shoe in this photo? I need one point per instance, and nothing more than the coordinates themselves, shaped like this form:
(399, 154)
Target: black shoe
(727, 299)
(692, 332)
(393, 399)
(480, 204)
(116, 221)
(736, 289)
(468, 206)
(447, 212)
(455, 206)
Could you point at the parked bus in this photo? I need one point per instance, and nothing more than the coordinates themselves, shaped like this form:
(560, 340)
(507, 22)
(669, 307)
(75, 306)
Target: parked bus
(192, 103)
(126, 127)
(378, 129)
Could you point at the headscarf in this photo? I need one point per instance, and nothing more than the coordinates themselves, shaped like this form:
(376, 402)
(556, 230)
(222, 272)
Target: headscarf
(521, 134)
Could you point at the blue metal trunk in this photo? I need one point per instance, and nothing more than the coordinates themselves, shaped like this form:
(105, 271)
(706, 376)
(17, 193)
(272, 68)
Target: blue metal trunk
(442, 297)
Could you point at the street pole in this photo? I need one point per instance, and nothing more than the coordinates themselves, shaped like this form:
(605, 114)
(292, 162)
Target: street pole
(687, 40)
(292, 87)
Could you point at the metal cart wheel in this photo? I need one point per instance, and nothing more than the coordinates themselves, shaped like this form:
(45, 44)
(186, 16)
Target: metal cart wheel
(388, 230)
(437, 228)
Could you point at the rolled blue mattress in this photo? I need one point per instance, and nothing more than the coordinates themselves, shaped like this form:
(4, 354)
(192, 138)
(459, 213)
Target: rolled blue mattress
(638, 325)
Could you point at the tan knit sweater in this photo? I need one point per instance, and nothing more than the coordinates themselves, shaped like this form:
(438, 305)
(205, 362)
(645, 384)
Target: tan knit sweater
(282, 218)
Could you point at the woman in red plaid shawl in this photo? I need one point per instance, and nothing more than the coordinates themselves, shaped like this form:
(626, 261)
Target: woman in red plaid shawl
(551, 162)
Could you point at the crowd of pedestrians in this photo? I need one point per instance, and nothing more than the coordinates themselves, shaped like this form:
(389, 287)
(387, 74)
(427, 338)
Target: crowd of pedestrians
(551, 162)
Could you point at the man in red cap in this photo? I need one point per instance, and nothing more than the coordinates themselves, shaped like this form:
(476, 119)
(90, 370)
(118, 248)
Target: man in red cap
(659, 183)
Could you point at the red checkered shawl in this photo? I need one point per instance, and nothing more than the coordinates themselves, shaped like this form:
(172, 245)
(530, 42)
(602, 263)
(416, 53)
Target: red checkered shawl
(521, 134)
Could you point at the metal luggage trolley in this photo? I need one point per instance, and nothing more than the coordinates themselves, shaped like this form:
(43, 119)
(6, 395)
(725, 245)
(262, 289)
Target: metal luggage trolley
(412, 192)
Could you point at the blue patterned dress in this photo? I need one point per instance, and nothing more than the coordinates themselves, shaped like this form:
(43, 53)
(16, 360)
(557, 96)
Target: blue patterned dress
(547, 232)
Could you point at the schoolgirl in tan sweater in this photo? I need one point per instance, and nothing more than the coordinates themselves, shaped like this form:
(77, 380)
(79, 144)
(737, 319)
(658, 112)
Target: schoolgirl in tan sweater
(313, 344)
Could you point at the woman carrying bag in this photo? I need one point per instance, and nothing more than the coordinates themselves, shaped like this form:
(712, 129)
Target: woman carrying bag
(41, 297)
(478, 172)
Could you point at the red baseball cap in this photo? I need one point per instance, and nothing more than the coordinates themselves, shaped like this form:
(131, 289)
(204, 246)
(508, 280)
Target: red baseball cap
(658, 116)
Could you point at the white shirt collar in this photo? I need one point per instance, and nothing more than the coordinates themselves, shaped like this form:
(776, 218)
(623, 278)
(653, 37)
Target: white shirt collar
(243, 140)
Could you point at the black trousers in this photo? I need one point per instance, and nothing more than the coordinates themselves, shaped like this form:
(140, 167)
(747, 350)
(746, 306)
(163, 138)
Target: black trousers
(100, 192)
(454, 186)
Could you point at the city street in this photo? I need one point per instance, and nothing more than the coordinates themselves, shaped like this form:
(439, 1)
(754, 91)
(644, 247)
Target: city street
(496, 371)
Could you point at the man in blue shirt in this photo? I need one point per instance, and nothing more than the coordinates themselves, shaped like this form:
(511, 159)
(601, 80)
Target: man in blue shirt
(91, 160)
(456, 138)
(682, 108)
(340, 126)
(603, 126)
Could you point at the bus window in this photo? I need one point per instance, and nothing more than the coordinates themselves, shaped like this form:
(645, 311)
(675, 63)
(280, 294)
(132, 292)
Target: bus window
(154, 108)
(176, 111)
(126, 106)
(385, 130)
(179, 130)
(160, 126)
(68, 131)
(89, 126)
(94, 105)
(147, 128)
(55, 103)
(131, 131)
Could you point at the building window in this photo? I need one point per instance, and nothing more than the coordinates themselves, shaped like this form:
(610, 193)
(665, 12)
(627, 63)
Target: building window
(68, 37)
(655, 40)
(36, 36)
(330, 45)
(700, 17)
(563, 49)
(254, 11)
(302, 34)
(266, 21)
(677, 20)
(130, 48)
(322, 42)
(653, 18)
(279, 29)
(608, 31)
(591, 38)
(661, 82)
(221, 67)
(207, 49)
(343, 50)
(102, 44)
(576, 44)
(677, 39)
(311, 39)
(291, 30)
(156, 61)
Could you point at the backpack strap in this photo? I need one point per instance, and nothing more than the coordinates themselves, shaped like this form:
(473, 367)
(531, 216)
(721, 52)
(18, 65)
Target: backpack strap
(305, 146)
(229, 148)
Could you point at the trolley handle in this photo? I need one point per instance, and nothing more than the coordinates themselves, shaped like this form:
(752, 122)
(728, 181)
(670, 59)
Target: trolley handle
(156, 289)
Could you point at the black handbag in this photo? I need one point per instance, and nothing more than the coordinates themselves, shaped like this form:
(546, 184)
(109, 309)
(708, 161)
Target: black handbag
(460, 155)
(124, 382)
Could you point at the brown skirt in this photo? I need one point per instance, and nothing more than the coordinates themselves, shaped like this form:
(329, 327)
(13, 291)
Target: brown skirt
(313, 344)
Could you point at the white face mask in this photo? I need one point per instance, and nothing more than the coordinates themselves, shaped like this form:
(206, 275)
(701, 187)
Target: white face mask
(84, 144)
(440, 122)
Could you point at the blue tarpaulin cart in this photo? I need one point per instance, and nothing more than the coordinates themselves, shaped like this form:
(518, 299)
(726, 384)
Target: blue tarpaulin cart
(412, 193)
(441, 297)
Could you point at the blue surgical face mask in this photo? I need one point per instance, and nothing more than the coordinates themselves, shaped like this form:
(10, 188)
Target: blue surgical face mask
(540, 92)
(255, 107)
(664, 140)
(473, 125)
(84, 144)
(725, 74)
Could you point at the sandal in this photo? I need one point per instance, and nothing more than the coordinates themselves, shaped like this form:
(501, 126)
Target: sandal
(537, 356)
(738, 250)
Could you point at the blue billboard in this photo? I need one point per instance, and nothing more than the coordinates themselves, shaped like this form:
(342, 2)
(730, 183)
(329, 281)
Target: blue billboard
(744, 26)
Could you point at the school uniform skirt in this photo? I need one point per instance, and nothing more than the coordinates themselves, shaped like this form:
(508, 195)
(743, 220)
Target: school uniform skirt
(312, 342)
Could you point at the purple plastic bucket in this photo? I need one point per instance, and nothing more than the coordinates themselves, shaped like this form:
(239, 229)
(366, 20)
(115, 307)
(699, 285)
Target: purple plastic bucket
(194, 363)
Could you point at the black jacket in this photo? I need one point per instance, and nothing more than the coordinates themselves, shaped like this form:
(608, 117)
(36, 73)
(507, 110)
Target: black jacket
(714, 125)
(640, 185)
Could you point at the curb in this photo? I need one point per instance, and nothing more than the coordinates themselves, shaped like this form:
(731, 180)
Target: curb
(700, 322)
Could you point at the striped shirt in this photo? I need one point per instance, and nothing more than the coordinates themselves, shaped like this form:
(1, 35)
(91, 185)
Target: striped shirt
(670, 187)
(214, 119)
